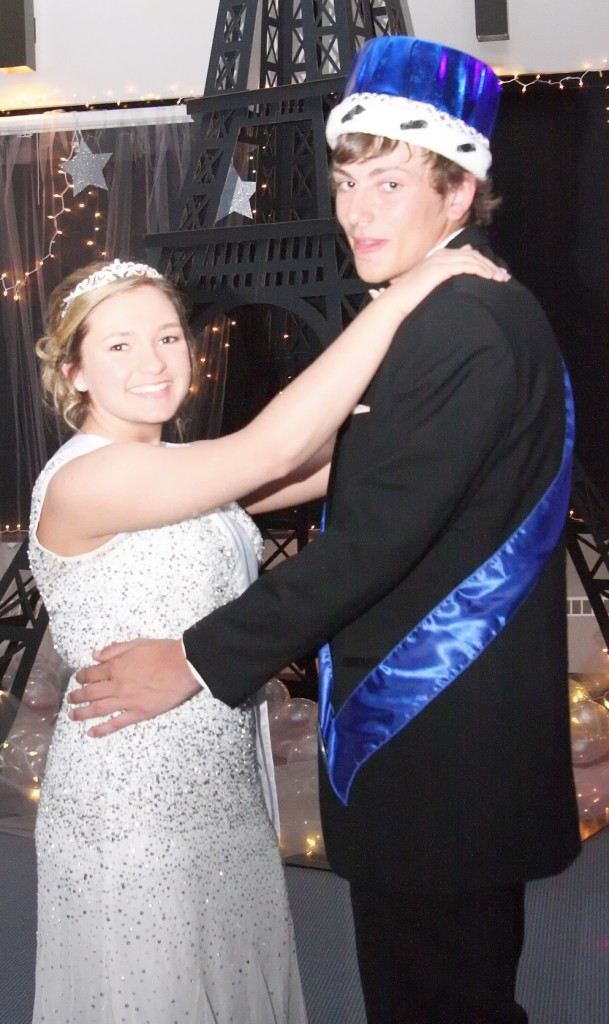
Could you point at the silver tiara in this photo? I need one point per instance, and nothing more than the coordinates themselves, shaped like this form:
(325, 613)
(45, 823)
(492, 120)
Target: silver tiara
(112, 272)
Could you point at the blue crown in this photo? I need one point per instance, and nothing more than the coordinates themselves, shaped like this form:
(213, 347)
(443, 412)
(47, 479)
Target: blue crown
(424, 93)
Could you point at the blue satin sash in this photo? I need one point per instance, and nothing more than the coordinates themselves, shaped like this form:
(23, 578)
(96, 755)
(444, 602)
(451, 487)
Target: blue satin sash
(443, 644)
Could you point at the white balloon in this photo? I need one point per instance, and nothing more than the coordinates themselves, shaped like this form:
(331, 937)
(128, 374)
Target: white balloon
(23, 757)
(276, 693)
(303, 749)
(595, 682)
(592, 789)
(41, 695)
(589, 731)
(298, 797)
(33, 742)
(577, 692)
(291, 722)
(295, 715)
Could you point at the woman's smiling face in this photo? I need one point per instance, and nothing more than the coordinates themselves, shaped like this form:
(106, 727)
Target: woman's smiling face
(134, 364)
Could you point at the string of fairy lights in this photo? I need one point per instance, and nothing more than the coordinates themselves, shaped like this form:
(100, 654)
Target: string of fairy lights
(522, 81)
(13, 288)
(579, 79)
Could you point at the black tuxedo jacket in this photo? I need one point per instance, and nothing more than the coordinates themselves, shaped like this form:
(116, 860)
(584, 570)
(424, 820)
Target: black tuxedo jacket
(464, 433)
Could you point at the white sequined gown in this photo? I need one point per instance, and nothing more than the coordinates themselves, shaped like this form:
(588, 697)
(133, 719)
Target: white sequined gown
(161, 893)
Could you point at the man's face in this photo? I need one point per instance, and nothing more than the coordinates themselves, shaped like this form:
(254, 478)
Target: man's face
(390, 212)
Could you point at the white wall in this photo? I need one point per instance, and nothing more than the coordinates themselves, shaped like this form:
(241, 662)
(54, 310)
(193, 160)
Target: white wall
(89, 52)
(145, 49)
(586, 643)
(545, 35)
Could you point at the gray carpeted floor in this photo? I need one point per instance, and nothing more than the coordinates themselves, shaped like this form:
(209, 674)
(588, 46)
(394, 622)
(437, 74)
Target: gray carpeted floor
(564, 975)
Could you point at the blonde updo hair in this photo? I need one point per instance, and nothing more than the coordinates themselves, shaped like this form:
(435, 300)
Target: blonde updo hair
(67, 325)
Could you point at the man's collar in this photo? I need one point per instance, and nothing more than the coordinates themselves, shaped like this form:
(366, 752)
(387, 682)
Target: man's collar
(445, 241)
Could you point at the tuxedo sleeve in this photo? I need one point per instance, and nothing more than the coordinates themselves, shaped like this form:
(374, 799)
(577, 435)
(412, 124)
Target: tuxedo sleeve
(447, 392)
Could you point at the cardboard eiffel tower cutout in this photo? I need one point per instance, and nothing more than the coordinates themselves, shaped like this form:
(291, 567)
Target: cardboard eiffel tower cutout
(254, 222)
(23, 621)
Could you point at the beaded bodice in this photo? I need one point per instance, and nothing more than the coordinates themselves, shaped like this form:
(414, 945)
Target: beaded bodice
(103, 596)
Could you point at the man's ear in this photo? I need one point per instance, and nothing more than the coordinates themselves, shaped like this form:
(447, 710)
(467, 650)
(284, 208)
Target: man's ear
(461, 197)
(75, 376)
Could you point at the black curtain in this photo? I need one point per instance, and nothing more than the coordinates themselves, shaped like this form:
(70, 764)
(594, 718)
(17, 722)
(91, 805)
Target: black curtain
(551, 166)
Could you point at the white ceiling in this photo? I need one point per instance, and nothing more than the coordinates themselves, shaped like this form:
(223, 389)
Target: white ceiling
(127, 50)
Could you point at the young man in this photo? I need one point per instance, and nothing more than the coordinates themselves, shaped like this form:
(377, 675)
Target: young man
(446, 779)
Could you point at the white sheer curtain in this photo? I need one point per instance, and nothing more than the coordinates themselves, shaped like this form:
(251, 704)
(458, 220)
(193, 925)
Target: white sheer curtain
(144, 174)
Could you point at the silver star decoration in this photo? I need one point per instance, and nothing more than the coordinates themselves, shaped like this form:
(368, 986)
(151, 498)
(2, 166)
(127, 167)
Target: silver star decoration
(236, 196)
(86, 168)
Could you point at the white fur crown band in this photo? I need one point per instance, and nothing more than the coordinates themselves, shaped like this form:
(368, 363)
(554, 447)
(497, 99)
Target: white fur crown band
(112, 272)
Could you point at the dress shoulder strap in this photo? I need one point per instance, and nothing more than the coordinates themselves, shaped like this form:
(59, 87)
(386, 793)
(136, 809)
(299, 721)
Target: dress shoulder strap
(79, 444)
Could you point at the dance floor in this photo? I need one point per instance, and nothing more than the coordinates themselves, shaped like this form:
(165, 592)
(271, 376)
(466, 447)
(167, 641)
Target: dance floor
(564, 975)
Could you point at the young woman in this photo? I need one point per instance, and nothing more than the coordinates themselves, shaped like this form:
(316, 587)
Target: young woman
(161, 891)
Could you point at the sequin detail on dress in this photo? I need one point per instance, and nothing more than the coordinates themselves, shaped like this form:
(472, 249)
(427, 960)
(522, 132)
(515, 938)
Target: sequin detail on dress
(162, 898)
